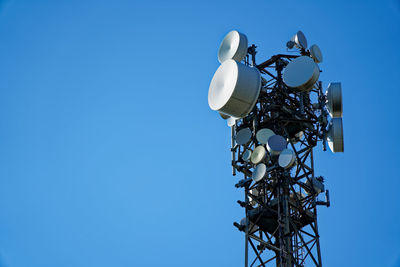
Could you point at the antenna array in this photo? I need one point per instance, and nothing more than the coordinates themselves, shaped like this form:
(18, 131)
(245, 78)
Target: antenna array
(277, 112)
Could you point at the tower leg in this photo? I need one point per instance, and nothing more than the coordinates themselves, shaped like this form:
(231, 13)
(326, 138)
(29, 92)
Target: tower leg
(286, 220)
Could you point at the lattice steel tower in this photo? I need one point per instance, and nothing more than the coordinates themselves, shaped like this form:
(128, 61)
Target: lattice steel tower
(278, 113)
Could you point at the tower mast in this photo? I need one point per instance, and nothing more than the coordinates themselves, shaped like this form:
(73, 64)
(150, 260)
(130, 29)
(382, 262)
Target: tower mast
(272, 146)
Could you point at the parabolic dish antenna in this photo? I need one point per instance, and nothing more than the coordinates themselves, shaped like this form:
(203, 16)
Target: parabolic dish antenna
(234, 89)
(263, 135)
(334, 102)
(335, 135)
(243, 136)
(301, 73)
(299, 40)
(316, 53)
(246, 155)
(259, 172)
(234, 46)
(286, 158)
(276, 144)
(258, 154)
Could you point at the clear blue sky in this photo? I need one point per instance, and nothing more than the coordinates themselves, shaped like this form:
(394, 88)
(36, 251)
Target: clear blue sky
(110, 155)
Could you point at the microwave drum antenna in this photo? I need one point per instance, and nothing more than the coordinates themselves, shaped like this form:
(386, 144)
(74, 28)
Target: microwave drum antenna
(234, 46)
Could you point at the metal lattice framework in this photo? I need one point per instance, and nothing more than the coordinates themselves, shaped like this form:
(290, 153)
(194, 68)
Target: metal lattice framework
(281, 209)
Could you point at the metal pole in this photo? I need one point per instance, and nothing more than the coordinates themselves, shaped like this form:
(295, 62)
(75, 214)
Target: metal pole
(317, 239)
(246, 248)
(286, 221)
(233, 149)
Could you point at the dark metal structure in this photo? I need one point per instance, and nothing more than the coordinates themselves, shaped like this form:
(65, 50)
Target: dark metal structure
(281, 209)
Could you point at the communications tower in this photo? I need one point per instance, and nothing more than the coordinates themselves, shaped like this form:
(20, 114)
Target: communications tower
(278, 112)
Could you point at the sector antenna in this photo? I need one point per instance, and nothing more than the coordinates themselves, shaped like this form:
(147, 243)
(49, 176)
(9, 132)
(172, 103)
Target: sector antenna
(278, 112)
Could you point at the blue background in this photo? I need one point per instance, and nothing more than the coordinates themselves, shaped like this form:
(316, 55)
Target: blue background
(110, 155)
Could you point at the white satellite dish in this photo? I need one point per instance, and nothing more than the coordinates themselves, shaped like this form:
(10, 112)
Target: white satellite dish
(300, 40)
(335, 135)
(301, 73)
(234, 89)
(231, 121)
(234, 46)
(334, 102)
(276, 144)
(316, 53)
(258, 154)
(243, 136)
(259, 172)
(246, 155)
(224, 116)
(286, 158)
(263, 135)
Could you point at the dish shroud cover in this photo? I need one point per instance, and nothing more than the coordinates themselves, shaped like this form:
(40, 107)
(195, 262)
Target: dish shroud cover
(276, 144)
(258, 154)
(316, 53)
(301, 73)
(234, 89)
(243, 136)
(246, 155)
(335, 135)
(334, 103)
(286, 158)
(263, 135)
(259, 172)
(300, 40)
(234, 46)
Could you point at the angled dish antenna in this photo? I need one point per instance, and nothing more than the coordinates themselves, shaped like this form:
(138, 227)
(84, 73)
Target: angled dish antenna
(286, 158)
(276, 144)
(243, 136)
(335, 135)
(259, 172)
(258, 155)
(263, 135)
(234, 46)
(316, 53)
(234, 89)
(334, 102)
(246, 155)
(298, 40)
(301, 73)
